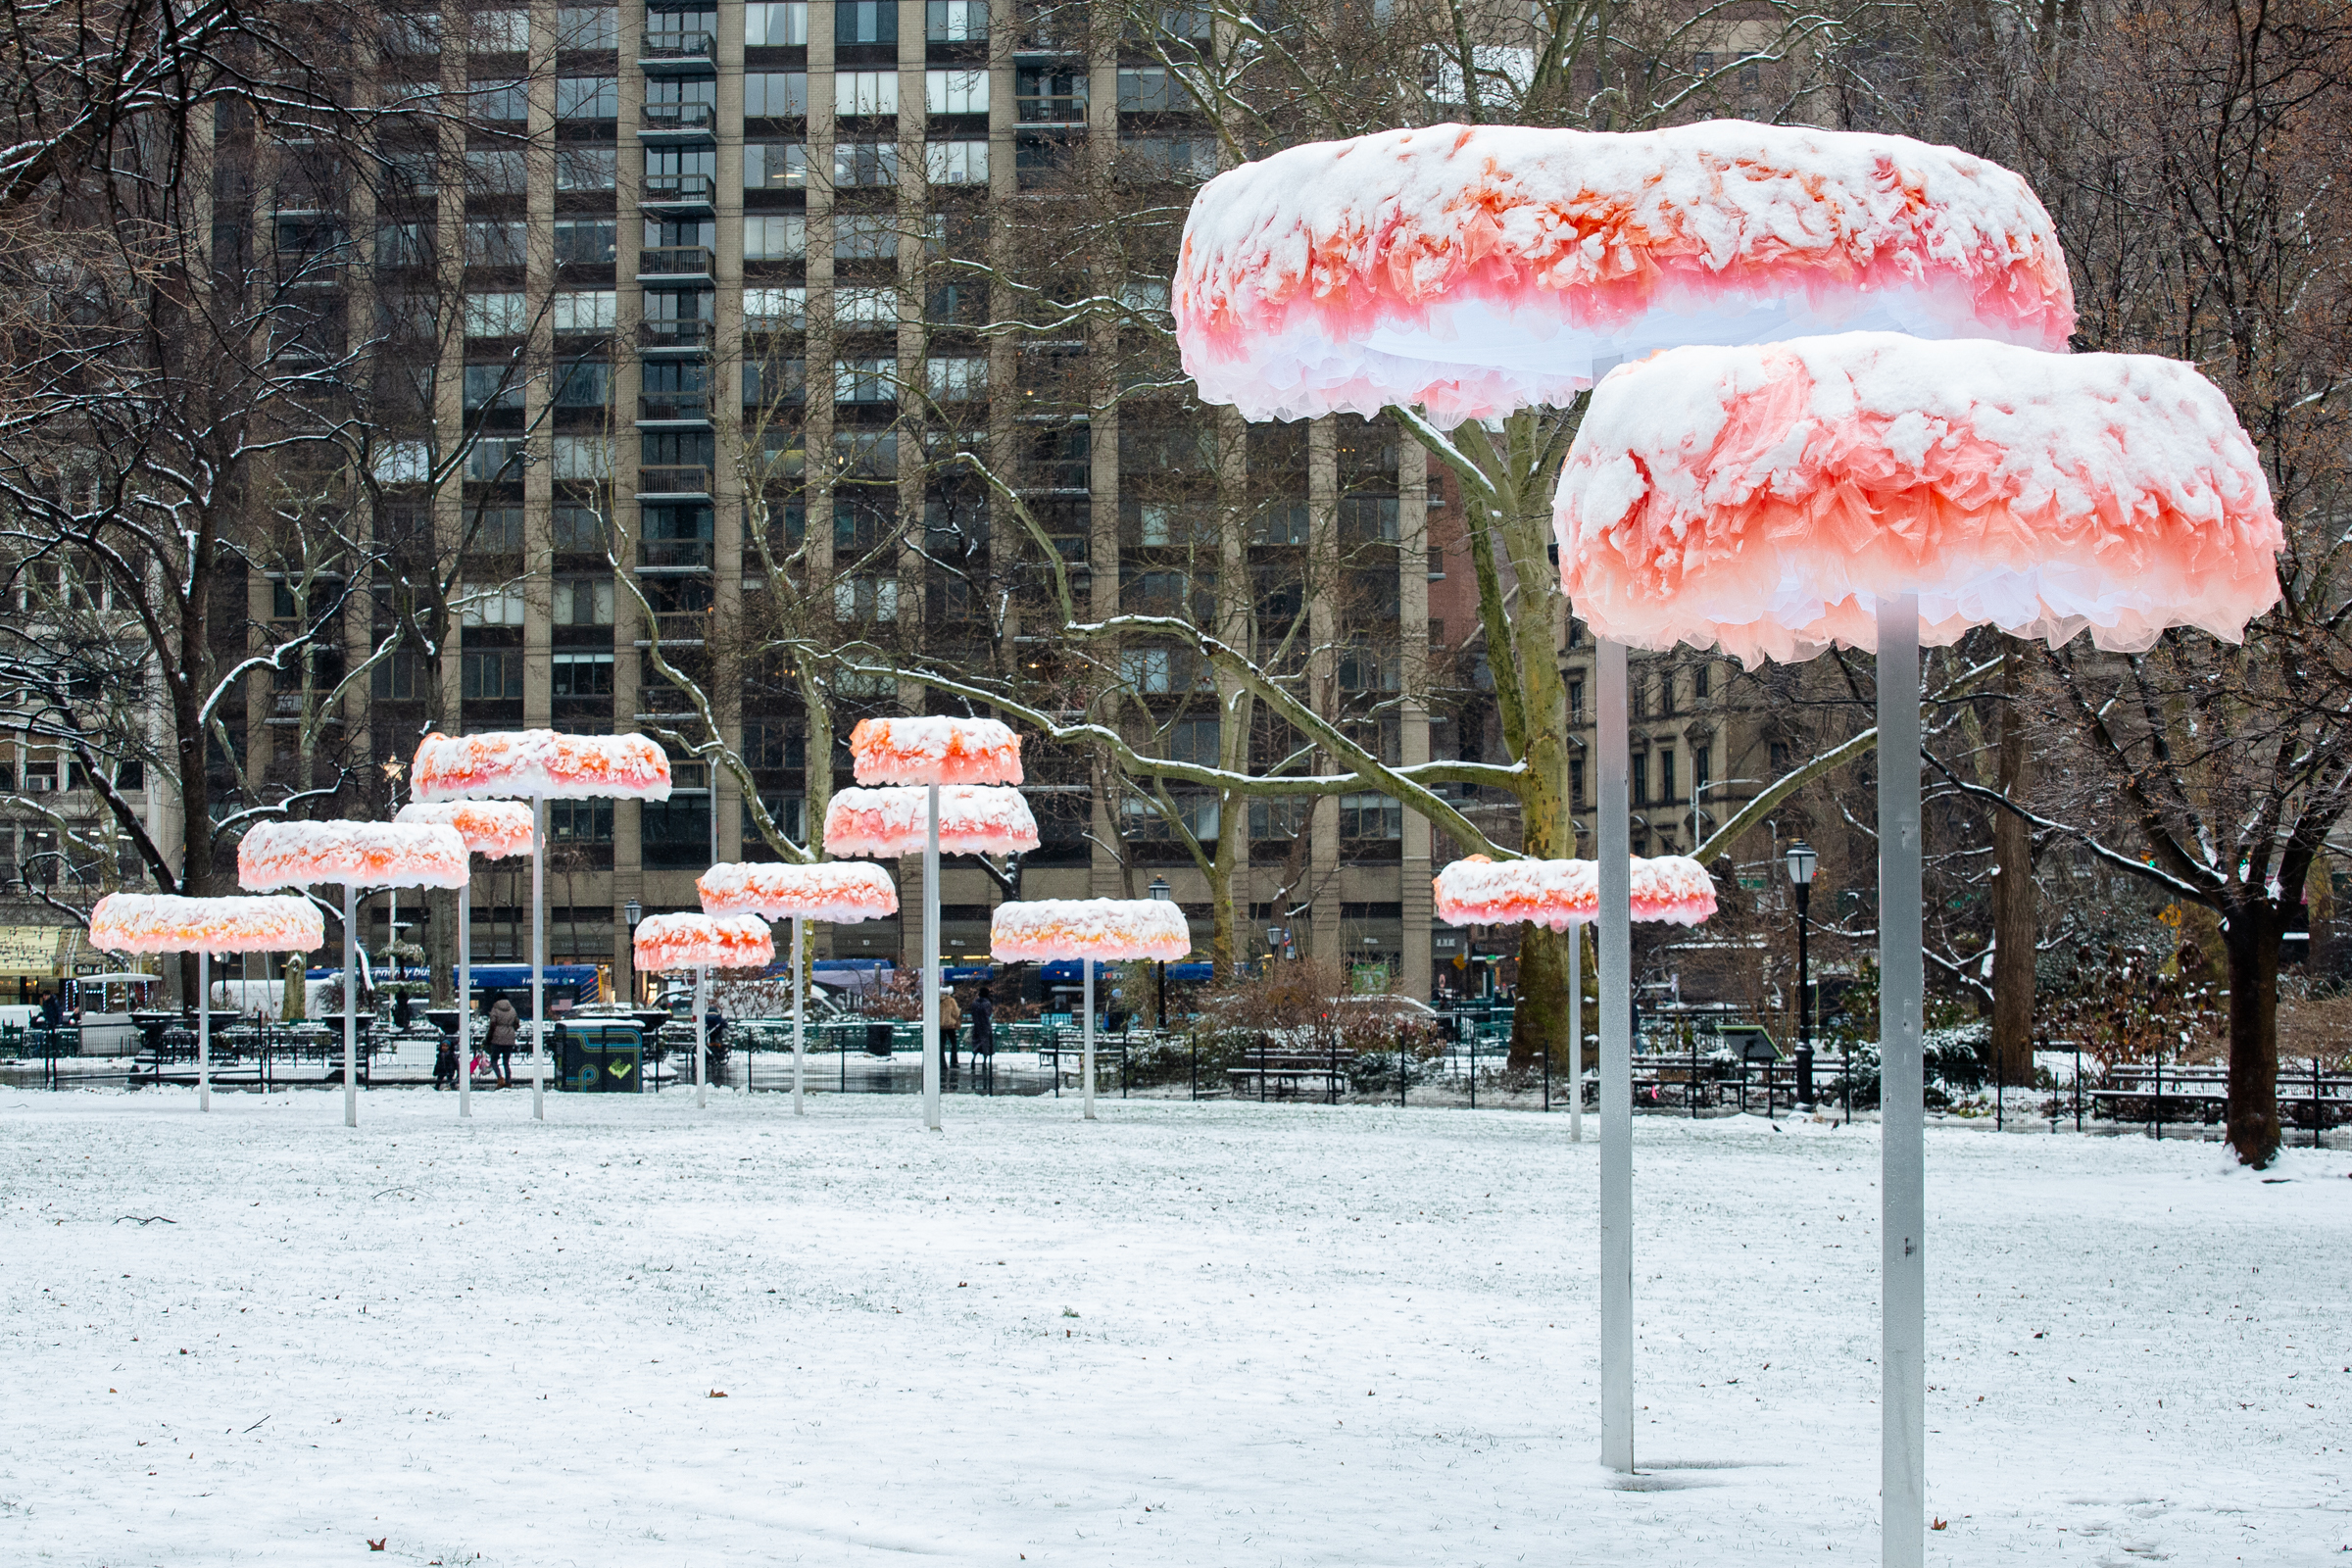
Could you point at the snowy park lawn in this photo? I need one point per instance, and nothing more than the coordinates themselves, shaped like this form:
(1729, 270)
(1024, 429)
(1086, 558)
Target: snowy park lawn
(1196, 1334)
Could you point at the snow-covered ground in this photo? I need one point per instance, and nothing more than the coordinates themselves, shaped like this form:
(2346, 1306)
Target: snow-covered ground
(1188, 1334)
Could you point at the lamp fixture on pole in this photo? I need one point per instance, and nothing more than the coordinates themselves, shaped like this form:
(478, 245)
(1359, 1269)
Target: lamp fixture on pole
(1802, 861)
(1162, 892)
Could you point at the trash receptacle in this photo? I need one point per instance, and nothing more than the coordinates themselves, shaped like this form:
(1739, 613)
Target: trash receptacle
(601, 1059)
(877, 1040)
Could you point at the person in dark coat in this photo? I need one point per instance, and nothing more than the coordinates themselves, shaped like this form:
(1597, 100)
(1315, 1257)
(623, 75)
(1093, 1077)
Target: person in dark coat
(400, 1011)
(445, 1064)
(53, 1010)
(984, 1027)
(506, 1027)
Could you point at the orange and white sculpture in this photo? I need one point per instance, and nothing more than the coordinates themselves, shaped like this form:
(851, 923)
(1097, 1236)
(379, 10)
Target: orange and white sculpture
(885, 823)
(936, 750)
(496, 830)
(1093, 931)
(702, 942)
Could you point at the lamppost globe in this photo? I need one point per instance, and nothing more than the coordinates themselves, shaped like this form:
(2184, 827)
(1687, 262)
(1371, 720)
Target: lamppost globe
(1160, 889)
(1801, 862)
(632, 912)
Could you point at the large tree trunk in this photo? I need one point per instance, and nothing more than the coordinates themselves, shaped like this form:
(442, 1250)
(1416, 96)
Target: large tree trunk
(1540, 1020)
(2250, 939)
(2016, 926)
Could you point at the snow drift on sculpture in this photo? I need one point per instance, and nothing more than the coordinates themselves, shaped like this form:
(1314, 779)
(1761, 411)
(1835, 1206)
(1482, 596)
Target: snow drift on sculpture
(167, 922)
(498, 829)
(1477, 269)
(1672, 889)
(1767, 499)
(378, 855)
(1478, 891)
(520, 763)
(833, 891)
(692, 941)
(935, 751)
(887, 822)
(1106, 929)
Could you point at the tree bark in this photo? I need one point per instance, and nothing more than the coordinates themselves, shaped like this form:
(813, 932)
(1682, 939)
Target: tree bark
(2250, 940)
(1540, 1018)
(2015, 924)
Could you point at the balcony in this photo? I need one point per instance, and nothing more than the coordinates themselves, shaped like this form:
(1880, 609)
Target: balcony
(675, 125)
(674, 335)
(673, 410)
(679, 194)
(657, 557)
(676, 483)
(674, 264)
(677, 54)
(679, 629)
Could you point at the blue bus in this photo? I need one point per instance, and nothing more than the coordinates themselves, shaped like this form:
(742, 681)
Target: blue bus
(570, 985)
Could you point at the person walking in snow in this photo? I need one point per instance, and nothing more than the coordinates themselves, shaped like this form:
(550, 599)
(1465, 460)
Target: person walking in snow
(984, 1036)
(506, 1027)
(445, 1064)
(951, 1019)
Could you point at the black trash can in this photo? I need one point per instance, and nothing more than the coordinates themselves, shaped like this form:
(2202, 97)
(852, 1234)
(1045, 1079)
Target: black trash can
(877, 1040)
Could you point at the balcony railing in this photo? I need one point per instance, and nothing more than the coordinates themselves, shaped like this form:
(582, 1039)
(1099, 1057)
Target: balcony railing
(674, 480)
(673, 554)
(675, 333)
(669, 51)
(678, 120)
(665, 261)
(678, 190)
(673, 408)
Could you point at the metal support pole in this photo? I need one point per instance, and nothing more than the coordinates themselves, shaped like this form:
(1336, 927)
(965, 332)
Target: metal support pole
(1576, 1034)
(1616, 876)
(1902, 1115)
(538, 958)
(702, 1036)
(799, 1016)
(465, 996)
(204, 1029)
(1087, 968)
(930, 960)
(351, 1007)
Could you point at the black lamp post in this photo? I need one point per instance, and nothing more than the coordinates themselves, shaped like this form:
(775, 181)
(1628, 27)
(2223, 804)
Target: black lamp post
(632, 912)
(1161, 892)
(1801, 863)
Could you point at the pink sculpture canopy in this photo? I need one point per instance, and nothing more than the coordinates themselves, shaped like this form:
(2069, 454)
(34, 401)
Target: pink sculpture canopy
(941, 749)
(523, 763)
(498, 829)
(370, 855)
(1667, 889)
(973, 820)
(1109, 930)
(1477, 269)
(1767, 499)
(690, 941)
(169, 922)
(837, 892)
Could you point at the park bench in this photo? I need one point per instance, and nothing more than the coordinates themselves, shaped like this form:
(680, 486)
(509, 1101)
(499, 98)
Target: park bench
(2152, 1091)
(1272, 1074)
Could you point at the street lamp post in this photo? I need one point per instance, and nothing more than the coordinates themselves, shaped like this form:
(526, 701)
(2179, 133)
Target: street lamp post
(1161, 892)
(1801, 863)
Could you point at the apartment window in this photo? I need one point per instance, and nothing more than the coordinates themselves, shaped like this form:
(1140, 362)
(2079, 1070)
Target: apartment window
(1150, 90)
(495, 315)
(1147, 296)
(1362, 668)
(587, 27)
(865, 21)
(865, 598)
(484, 606)
(775, 165)
(774, 237)
(1641, 781)
(866, 454)
(865, 163)
(585, 241)
(493, 387)
(777, 382)
(1182, 23)
(584, 167)
(1702, 680)
(775, 94)
(582, 457)
(1576, 699)
(589, 310)
(776, 26)
(401, 245)
(1050, 95)
(494, 173)
(776, 309)
(396, 678)
(955, 20)
(492, 459)
(1666, 694)
(872, 379)
(587, 97)
(494, 244)
(583, 384)
(957, 380)
(1666, 777)
(866, 92)
(580, 530)
(955, 162)
(491, 677)
(494, 530)
(956, 92)
(1175, 158)
(580, 675)
(1702, 767)
(402, 463)
(501, 32)
(865, 307)
(864, 236)
(1369, 519)
(412, 174)
(1370, 817)
(583, 601)
(1575, 784)
(580, 821)
(1195, 740)
(497, 101)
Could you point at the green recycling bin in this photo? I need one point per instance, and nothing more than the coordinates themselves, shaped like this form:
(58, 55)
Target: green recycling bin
(600, 1059)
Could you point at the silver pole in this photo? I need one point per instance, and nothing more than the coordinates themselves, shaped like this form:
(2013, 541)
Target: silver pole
(1576, 1034)
(930, 962)
(701, 1034)
(538, 958)
(204, 1029)
(1086, 966)
(1902, 1182)
(351, 1007)
(800, 1019)
(466, 996)
(1616, 875)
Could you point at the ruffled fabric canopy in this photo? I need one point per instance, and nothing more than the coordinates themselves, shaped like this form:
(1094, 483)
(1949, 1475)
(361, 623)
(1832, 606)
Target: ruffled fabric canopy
(935, 751)
(370, 855)
(1669, 889)
(691, 941)
(887, 822)
(168, 923)
(1109, 930)
(832, 891)
(521, 763)
(1672, 889)
(495, 829)
(1767, 499)
(1477, 269)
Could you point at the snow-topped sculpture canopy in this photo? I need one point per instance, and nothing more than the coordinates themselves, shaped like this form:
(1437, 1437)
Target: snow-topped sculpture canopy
(1477, 269)
(529, 763)
(704, 942)
(935, 751)
(833, 891)
(1109, 930)
(168, 923)
(885, 823)
(1671, 889)
(1769, 499)
(498, 829)
(370, 855)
